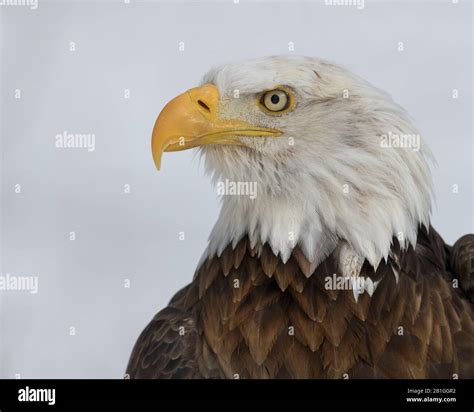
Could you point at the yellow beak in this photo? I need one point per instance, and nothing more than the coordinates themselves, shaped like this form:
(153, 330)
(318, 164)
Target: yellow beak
(191, 120)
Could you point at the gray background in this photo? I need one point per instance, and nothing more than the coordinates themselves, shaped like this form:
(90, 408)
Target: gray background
(136, 236)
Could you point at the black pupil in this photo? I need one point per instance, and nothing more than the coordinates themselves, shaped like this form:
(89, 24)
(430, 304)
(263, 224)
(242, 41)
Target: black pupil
(275, 99)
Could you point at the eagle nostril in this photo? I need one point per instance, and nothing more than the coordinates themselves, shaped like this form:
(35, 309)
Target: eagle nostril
(204, 106)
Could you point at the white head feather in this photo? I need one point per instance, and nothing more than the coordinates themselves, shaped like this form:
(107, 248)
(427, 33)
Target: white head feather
(336, 182)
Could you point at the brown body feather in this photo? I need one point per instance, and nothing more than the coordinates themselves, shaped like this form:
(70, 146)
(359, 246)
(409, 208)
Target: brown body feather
(249, 315)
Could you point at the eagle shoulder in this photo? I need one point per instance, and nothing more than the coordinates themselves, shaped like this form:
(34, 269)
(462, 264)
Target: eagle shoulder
(167, 346)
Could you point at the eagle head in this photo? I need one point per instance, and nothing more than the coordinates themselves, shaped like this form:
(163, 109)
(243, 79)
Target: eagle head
(333, 158)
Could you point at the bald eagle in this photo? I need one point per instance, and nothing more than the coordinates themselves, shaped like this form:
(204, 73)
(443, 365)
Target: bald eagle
(332, 270)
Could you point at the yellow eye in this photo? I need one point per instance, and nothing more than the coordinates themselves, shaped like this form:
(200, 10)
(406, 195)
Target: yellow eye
(275, 100)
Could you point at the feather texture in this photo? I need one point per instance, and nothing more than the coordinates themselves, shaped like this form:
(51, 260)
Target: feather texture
(273, 327)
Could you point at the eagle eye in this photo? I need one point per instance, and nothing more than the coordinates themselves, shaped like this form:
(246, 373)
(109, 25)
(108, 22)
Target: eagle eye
(276, 101)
